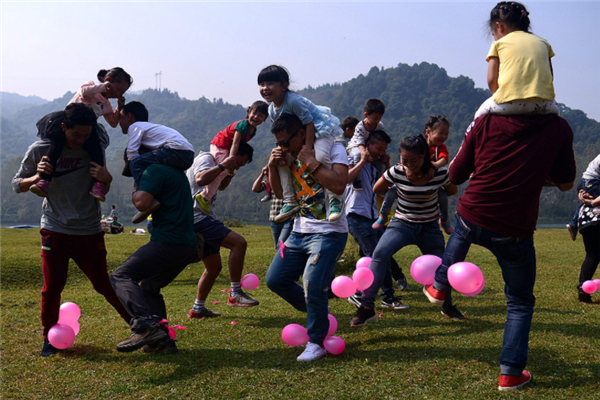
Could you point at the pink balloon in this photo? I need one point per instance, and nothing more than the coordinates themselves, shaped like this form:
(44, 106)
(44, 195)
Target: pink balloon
(475, 293)
(423, 268)
(333, 325)
(589, 287)
(69, 312)
(342, 286)
(294, 335)
(363, 262)
(465, 277)
(73, 324)
(61, 336)
(334, 344)
(597, 282)
(363, 278)
(249, 282)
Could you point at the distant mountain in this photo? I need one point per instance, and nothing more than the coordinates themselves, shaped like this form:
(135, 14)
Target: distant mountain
(411, 94)
(12, 103)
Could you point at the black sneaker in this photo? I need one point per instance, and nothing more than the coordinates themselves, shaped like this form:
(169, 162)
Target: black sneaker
(137, 340)
(165, 347)
(355, 299)
(402, 283)
(453, 313)
(395, 303)
(48, 349)
(585, 297)
(362, 316)
(572, 231)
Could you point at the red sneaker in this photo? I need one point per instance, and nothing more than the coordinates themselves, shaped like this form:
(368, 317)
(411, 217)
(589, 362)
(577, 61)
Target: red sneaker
(511, 382)
(435, 296)
(98, 191)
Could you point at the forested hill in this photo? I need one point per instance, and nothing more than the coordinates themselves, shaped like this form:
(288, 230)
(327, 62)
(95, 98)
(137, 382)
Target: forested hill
(411, 94)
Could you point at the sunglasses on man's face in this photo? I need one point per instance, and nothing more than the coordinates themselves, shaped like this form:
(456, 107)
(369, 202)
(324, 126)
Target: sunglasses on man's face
(286, 142)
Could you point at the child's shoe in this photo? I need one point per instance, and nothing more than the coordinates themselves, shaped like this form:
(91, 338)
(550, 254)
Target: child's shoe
(286, 212)
(446, 226)
(142, 215)
(379, 224)
(267, 197)
(203, 203)
(336, 208)
(41, 188)
(98, 191)
(570, 228)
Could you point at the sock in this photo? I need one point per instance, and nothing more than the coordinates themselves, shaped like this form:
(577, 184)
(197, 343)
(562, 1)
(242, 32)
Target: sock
(198, 305)
(236, 287)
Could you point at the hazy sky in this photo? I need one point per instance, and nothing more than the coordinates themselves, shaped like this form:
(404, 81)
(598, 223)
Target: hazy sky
(216, 49)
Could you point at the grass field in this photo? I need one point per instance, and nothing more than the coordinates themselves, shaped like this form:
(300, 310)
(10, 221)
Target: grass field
(415, 353)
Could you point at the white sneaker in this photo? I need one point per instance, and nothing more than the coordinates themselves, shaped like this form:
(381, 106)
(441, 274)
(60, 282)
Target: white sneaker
(312, 352)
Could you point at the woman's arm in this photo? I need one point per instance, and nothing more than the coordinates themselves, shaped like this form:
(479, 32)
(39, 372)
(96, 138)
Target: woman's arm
(381, 186)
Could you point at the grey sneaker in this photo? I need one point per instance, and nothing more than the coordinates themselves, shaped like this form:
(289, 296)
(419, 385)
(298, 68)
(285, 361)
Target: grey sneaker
(355, 299)
(362, 316)
(204, 313)
(395, 303)
(312, 352)
(241, 299)
(138, 340)
(165, 347)
(286, 212)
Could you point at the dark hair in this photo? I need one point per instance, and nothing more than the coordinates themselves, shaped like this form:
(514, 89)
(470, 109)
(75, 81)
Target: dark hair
(379, 136)
(274, 73)
(258, 106)
(79, 114)
(245, 149)
(349, 122)
(374, 106)
(289, 123)
(434, 121)
(417, 144)
(510, 13)
(116, 74)
(139, 111)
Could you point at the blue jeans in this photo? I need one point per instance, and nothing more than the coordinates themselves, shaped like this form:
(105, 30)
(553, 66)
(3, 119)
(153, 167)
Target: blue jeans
(427, 237)
(516, 257)
(182, 159)
(361, 230)
(281, 231)
(312, 255)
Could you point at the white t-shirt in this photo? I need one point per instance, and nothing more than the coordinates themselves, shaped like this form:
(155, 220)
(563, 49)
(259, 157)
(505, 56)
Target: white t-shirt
(593, 169)
(203, 161)
(154, 136)
(309, 225)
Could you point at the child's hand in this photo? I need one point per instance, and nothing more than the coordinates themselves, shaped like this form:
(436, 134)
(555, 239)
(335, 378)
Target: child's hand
(120, 102)
(277, 157)
(99, 172)
(44, 166)
(430, 174)
(306, 155)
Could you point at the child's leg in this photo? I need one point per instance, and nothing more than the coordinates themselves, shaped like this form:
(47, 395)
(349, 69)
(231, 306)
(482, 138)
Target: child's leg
(220, 154)
(54, 151)
(533, 106)
(443, 203)
(386, 207)
(323, 146)
(92, 146)
(290, 204)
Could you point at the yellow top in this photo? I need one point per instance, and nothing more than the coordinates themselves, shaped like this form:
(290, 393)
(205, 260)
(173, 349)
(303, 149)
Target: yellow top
(524, 67)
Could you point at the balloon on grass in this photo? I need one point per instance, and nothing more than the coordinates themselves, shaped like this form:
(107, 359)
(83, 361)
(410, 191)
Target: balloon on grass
(363, 262)
(69, 312)
(294, 335)
(61, 336)
(475, 293)
(334, 344)
(342, 286)
(363, 278)
(465, 277)
(333, 325)
(423, 268)
(589, 287)
(249, 281)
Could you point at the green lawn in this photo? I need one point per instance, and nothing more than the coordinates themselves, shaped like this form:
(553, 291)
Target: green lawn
(414, 353)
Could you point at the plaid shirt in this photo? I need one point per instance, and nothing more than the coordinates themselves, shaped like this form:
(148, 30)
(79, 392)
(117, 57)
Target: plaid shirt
(276, 205)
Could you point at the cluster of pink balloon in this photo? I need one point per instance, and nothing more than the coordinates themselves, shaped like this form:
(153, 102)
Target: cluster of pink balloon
(464, 277)
(295, 335)
(249, 281)
(62, 335)
(362, 279)
(591, 286)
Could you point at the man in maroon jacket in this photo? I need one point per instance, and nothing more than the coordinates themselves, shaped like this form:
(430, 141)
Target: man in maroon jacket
(508, 159)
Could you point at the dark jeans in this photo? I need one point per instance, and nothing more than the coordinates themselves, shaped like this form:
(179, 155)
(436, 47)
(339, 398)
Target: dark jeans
(591, 241)
(182, 159)
(281, 231)
(360, 228)
(516, 257)
(427, 237)
(139, 279)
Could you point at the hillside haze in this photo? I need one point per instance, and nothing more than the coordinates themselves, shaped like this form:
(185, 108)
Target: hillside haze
(411, 94)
